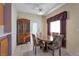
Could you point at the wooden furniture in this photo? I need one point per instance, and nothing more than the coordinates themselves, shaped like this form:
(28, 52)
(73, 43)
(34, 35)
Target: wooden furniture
(1, 14)
(34, 43)
(45, 40)
(57, 44)
(23, 31)
(4, 47)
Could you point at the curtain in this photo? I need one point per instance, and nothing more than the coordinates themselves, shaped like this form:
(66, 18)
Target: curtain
(62, 17)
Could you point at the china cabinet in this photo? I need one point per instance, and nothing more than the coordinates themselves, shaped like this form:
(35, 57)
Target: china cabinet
(23, 31)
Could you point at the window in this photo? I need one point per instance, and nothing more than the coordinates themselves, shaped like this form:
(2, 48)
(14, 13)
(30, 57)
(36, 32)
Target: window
(55, 26)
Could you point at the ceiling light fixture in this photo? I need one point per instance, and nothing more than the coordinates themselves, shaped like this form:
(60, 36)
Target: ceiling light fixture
(40, 11)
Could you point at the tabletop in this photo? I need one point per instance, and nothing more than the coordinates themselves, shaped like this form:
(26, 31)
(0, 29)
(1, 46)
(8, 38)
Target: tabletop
(45, 38)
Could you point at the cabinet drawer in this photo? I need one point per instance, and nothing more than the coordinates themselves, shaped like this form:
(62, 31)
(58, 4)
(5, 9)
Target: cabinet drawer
(4, 47)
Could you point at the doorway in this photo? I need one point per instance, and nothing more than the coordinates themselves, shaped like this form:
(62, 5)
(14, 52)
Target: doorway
(34, 27)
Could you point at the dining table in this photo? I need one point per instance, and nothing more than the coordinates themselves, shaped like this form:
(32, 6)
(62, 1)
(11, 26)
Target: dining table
(45, 40)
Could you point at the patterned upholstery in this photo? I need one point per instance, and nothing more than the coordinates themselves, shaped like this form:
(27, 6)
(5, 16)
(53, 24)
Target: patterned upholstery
(57, 42)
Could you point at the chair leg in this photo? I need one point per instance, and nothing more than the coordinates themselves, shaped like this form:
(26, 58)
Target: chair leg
(35, 50)
(59, 51)
(53, 52)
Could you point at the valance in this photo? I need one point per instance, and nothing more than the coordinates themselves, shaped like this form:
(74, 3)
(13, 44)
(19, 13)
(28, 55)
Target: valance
(61, 16)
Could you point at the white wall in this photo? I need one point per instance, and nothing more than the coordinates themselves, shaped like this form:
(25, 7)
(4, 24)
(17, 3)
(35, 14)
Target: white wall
(13, 28)
(44, 25)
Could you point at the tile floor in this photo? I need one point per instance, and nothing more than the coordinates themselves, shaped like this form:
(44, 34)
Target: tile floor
(27, 50)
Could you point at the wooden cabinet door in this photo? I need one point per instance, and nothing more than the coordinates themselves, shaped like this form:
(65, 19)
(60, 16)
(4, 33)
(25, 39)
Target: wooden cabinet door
(28, 26)
(1, 14)
(4, 47)
(23, 30)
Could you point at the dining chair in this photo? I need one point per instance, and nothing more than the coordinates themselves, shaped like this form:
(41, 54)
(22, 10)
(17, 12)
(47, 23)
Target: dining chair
(53, 35)
(57, 44)
(35, 44)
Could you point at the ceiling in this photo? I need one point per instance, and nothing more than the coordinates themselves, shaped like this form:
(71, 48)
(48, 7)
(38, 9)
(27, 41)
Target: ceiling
(33, 8)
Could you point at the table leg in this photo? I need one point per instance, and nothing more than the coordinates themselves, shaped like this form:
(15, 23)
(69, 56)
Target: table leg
(45, 48)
